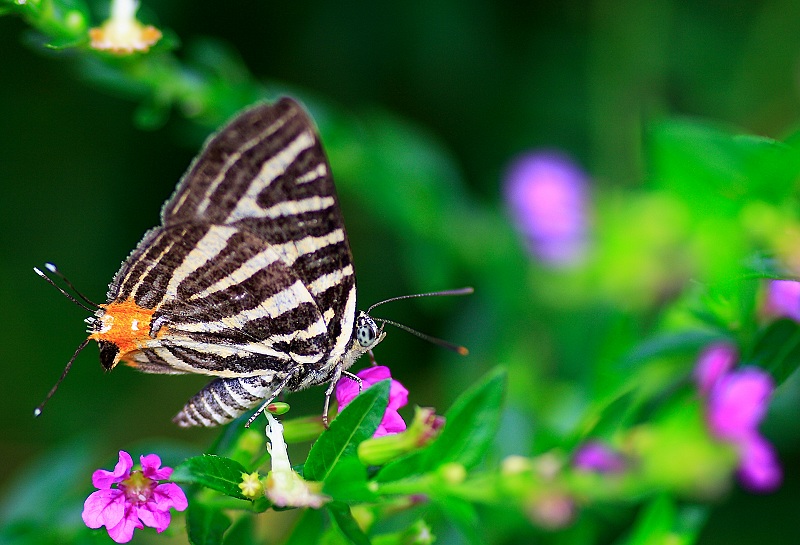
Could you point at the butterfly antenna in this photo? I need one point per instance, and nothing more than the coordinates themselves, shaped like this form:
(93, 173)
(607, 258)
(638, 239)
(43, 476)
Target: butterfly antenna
(53, 269)
(38, 271)
(461, 350)
(38, 410)
(460, 291)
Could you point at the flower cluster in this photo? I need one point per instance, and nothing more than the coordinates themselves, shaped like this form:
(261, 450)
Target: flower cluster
(546, 193)
(137, 500)
(736, 402)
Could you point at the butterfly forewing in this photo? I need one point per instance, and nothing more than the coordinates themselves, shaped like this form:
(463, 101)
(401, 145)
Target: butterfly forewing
(249, 278)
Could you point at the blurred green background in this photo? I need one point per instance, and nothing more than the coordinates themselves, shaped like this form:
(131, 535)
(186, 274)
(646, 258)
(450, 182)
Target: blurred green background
(474, 83)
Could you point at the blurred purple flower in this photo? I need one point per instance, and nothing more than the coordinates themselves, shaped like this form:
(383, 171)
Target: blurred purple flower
(348, 389)
(546, 193)
(137, 500)
(736, 405)
(714, 362)
(759, 469)
(783, 298)
(597, 457)
(738, 402)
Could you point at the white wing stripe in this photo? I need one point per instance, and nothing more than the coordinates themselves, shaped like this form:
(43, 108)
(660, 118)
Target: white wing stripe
(327, 281)
(214, 241)
(280, 303)
(247, 206)
(233, 159)
(316, 174)
(246, 270)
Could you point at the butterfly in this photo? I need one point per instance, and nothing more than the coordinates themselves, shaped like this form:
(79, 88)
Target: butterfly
(248, 279)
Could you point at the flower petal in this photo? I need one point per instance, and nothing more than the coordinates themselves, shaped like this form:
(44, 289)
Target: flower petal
(392, 422)
(783, 299)
(103, 479)
(169, 495)
(759, 470)
(150, 468)
(738, 401)
(123, 531)
(371, 375)
(154, 517)
(713, 363)
(398, 396)
(104, 508)
(346, 391)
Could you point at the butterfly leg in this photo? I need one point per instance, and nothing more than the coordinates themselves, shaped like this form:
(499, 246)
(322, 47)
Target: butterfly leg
(289, 376)
(338, 372)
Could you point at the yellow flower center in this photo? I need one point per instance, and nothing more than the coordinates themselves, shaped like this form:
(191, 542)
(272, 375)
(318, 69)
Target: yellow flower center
(137, 487)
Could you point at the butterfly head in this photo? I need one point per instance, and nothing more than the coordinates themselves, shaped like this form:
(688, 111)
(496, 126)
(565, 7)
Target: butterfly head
(367, 332)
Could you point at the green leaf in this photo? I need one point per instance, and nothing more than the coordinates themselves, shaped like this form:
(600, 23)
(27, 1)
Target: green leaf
(205, 525)
(464, 516)
(347, 482)
(343, 519)
(683, 342)
(308, 529)
(777, 349)
(471, 424)
(662, 521)
(214, 472)
(357, 422)
(242, 532)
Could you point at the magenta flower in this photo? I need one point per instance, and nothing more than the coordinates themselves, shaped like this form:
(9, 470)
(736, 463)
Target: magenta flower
(597, 457)
(136, 501)
(714, 362)
(546, 194)
(392, 422)
(738, 402)
(783, 298)
(736, 405)
(759, 469)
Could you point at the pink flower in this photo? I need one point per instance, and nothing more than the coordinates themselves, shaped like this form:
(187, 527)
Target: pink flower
(546, 194)
(736, 405)
(348, 389)
(596, 457)
(136, 501)
(714, 362)
(783, 299)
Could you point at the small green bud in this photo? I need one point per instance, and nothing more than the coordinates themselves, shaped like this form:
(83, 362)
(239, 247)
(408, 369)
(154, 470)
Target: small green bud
(278, 408)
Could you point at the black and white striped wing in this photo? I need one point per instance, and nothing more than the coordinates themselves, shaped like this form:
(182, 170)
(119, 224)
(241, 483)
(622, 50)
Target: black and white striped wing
(266, 173)
(250, 274)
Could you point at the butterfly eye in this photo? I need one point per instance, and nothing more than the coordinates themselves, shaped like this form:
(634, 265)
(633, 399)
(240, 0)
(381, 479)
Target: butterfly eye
(366, 333)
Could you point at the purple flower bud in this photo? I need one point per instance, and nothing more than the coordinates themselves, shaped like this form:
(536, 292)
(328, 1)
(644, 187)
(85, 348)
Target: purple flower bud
(714, 362)
(546, 193)
(783, 298)
(596, 457)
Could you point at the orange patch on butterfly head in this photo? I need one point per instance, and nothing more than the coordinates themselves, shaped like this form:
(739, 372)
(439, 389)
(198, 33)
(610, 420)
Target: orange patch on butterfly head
(126, 325)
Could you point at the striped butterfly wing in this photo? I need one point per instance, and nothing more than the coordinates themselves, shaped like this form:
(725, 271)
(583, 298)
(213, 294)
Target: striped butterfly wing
(250, 278)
